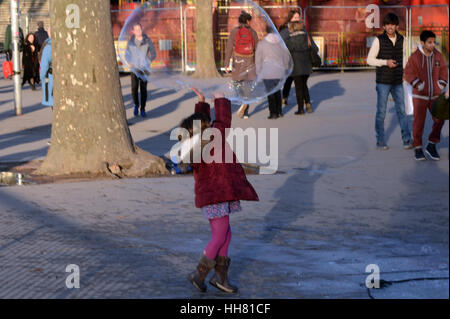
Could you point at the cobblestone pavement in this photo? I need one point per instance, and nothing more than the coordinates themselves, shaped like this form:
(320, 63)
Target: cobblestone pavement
(339, 206)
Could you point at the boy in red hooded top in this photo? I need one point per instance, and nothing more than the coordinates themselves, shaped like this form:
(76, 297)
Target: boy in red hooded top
(219, 187)
(427, 72)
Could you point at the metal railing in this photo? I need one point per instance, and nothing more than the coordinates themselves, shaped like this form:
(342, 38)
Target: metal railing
(340, 50)
(344, 50)
(222, 36)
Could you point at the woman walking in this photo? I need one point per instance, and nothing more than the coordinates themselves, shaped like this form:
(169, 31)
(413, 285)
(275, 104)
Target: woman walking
(30, 62)
(299, 43)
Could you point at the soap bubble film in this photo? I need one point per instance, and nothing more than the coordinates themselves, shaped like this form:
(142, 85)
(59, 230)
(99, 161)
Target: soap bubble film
(165, 47)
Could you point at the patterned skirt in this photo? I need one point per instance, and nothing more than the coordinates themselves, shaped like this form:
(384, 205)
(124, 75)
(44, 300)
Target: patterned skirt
(221, 209)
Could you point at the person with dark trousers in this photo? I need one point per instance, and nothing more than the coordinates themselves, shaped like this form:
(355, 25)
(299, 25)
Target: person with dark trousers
(387, 54)
(140, 53)
(427, 73)
(272, 62)
(30, 62)
(299, 43)
(40, 35)
(293, 16)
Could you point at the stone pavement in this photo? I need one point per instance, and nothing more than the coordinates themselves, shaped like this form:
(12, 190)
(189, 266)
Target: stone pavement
(339, 206)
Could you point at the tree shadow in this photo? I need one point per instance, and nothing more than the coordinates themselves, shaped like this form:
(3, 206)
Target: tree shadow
(318, 93)
(25, 110)
(71, 241)
(23, 137)
(7, 89)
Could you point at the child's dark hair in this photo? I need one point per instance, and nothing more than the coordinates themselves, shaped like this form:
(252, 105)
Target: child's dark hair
(390, 18)
(426, 34)
(188, 123)
(244, 17)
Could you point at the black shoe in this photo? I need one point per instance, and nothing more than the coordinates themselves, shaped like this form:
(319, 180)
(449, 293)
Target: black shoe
(432, 152)
(300, 112)
(272, 117)
(418, 154)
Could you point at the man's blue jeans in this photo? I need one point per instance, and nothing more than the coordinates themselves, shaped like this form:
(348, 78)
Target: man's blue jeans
(383, 91)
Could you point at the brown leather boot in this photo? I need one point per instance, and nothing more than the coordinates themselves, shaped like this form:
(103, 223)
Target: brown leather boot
(197, 278)
(220, 278)
(308, 108)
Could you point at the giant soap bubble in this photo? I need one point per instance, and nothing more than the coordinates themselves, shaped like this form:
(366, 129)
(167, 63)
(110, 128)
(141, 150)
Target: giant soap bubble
(169, 45)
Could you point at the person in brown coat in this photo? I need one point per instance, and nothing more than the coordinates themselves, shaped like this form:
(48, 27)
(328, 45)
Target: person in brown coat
(241, 47)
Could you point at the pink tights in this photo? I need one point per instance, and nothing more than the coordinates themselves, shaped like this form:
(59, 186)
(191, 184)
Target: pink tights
(220, 237)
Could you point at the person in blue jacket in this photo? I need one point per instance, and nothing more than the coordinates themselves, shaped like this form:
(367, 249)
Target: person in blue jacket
(46, 74)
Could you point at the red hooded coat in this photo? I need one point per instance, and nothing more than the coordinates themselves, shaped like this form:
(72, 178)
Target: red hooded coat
(220, 182)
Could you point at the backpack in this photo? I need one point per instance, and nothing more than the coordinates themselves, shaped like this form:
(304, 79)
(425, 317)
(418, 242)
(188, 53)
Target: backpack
(42, 50)
(244, 44)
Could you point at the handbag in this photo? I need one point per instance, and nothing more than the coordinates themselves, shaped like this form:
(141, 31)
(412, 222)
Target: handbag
(440, 108)
(316, 61)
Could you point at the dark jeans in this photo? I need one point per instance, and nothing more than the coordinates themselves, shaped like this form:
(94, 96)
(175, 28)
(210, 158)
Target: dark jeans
(136, 84)
(287, 87)
(301, 90)
(274, 99)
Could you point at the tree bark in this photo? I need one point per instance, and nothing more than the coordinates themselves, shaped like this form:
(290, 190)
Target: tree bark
(89, 129)
(205, 66)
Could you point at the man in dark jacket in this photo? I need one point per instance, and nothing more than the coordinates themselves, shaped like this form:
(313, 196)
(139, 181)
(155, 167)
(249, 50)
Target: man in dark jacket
(40, 35)
(387, 54)
(139, 54)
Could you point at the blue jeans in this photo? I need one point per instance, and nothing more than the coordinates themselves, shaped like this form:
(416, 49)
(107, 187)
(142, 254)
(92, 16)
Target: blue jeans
(383, 91)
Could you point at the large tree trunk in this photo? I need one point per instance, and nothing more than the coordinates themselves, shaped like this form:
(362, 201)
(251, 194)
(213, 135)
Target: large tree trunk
(205, 66)
(89, 130)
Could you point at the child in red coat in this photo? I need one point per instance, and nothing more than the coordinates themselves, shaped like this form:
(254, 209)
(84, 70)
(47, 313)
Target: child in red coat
(219, 187)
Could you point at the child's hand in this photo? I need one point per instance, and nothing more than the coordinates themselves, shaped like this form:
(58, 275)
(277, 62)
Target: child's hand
(219, 95)
(201, 97)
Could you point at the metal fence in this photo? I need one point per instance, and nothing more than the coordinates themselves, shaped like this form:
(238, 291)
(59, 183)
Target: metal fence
(222, 16)
(339, 31)
(168, 39)
(348, 46)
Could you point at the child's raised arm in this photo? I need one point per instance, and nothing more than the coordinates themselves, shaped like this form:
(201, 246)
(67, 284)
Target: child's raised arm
(201, 106)
(222, 111)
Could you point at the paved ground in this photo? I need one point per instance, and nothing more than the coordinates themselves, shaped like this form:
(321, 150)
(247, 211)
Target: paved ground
(339, 206)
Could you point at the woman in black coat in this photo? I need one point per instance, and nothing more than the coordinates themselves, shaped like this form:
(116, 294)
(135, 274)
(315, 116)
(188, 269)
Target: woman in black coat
(299, 43)
(30, 62)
